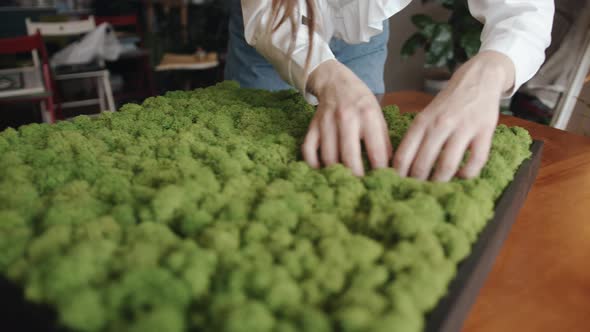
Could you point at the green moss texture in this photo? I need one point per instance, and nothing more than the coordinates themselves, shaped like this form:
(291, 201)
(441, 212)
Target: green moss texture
(194, 212)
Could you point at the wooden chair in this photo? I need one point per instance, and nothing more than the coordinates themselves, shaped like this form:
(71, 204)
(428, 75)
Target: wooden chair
(37, 82)
(144, 79)
(95, 71)
(567, 103)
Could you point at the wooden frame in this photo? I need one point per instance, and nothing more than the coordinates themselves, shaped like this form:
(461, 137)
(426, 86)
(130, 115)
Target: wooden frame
(60, 29)
(452, 310)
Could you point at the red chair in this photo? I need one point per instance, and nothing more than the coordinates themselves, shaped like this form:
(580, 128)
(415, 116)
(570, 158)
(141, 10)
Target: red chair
(35, 83)
(144, 81)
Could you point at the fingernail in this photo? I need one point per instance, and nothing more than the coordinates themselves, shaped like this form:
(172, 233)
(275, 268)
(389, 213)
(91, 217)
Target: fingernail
(469, 173)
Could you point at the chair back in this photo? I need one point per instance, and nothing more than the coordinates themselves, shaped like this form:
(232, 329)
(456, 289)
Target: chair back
(59, 29)
(23, 45)
(36, 46)
(117, 21)
(127, 21)
(56, 29)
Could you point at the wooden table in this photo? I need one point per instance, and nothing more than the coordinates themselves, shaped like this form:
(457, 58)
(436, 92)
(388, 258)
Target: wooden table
(541, 278)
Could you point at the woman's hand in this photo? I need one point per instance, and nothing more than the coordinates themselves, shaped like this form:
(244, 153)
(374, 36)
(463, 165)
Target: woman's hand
(462, 117)
(347, 113)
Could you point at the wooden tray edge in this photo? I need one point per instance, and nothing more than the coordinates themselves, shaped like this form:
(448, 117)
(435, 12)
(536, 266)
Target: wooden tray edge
(452, 310)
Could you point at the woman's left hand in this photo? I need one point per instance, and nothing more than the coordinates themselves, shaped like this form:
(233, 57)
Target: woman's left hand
(461, 118)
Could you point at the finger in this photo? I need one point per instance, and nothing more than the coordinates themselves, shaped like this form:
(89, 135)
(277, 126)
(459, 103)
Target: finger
(376, 139)
(429, 151)
(408, 148)
(388, 140)
(350, 144)
(451, 156)
(311, 144)
(480, 150)
(329, 139)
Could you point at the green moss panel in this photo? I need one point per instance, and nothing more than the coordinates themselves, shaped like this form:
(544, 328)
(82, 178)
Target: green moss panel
(194, 211)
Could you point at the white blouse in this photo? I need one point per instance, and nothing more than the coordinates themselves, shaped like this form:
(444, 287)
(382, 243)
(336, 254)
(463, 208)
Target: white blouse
(520, 29)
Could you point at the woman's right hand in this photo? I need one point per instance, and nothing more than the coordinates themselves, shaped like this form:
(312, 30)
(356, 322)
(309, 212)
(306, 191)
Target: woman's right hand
(347, 113)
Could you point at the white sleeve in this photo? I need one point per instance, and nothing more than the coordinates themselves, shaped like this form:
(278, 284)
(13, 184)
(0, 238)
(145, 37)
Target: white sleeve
(520, 29)
(275, 46)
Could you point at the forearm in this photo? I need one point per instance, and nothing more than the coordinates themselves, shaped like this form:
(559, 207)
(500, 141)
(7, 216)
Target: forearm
(329, 73)
(520, 30)
(288, 55)
(489, 69)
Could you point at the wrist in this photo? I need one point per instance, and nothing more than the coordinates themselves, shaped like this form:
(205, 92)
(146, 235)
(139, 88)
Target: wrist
(323, 76)
(495, 69)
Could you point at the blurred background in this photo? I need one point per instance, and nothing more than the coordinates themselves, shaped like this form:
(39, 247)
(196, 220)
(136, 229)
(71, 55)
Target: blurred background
(148, 47)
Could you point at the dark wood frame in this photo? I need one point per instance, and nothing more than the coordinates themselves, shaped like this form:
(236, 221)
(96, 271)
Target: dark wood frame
(452, 310)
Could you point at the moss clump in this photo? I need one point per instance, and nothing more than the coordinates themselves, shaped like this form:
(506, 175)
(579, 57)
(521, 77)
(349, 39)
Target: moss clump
(195, 211)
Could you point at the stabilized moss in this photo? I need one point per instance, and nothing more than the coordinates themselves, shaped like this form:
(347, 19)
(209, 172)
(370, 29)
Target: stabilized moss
(195, 211)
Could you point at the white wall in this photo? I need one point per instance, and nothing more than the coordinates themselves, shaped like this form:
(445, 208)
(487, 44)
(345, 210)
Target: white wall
(407, 74)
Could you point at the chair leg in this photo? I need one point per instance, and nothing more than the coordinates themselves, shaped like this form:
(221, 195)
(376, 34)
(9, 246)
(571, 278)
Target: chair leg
(108, 91)
(56, 100)
(149, 76)
(44, 114)
(101, 94)
(51, 109)
(47, 110)
(58, 111)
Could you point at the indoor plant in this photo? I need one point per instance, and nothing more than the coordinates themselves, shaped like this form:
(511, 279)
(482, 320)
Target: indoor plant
(447, 44)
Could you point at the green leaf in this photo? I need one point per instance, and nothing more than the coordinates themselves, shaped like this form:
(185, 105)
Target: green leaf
(448, 4)
(412, 44)
(465, 21)
(425, 24)
(443, 33)
(422, 21)
(470, 42)
(441, 50)
(428, 31)
(440, 55)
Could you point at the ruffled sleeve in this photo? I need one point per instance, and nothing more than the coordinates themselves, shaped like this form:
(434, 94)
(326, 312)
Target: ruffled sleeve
(521, 30)
(359, 20)
(287, 56)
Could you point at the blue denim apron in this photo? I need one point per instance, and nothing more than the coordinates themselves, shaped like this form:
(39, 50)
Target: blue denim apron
(251, 70)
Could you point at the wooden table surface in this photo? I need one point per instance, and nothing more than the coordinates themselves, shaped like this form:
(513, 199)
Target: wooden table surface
(541, 278)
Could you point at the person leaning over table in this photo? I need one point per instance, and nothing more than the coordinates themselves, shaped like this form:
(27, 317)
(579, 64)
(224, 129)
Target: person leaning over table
(334, 52)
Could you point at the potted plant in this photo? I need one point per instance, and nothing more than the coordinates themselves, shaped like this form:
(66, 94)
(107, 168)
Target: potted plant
(447, 44)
